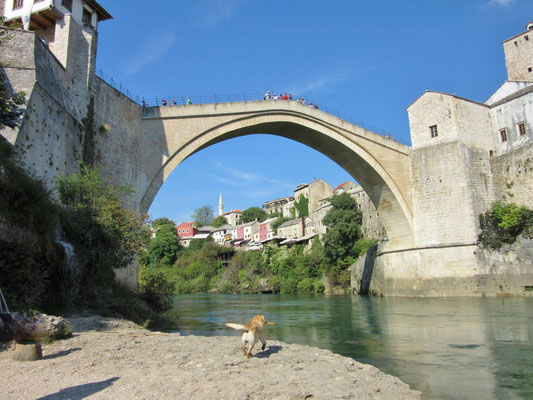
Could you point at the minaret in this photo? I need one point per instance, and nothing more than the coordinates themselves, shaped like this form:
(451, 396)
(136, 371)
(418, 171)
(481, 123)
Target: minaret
(220, 206)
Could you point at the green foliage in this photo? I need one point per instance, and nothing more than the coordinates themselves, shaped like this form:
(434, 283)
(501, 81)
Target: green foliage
(105, 235)
(163, 248)
(10, 105)
(302, 205)
(33, 271)
(503, 224)
(253, 214)
(203, 216)
(219, 221)
(344, 222)
(362, 246)
(156, 289)
(197, 244)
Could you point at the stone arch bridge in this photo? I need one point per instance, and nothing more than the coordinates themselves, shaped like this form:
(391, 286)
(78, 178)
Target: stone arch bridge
(380, 165)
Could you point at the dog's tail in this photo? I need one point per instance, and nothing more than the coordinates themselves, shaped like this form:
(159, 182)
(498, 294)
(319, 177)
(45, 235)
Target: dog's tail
(238, 326)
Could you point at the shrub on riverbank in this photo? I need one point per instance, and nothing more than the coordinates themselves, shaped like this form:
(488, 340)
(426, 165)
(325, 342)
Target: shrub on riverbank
(34, 272)
(503, 224)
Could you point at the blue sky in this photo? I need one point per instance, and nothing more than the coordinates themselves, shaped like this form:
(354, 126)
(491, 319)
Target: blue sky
(366, 59)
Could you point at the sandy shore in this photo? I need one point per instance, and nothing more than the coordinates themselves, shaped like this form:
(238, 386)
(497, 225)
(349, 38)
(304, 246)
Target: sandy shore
(116, 359)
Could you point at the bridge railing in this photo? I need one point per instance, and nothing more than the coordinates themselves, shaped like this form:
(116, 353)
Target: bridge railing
(170, 101)
(234, 97)
(117, 85)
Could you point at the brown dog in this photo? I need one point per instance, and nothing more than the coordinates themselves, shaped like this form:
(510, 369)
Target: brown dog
(253, 333)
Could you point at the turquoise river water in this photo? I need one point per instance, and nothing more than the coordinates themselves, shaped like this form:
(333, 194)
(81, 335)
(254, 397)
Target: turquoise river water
(465, 348)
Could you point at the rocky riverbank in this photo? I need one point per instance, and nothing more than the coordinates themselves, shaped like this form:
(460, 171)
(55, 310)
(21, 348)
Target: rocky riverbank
(116, 359)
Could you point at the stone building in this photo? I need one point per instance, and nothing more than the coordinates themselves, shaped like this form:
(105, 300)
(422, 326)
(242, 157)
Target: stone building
(296, 228)
(456, 145)
(233, 216)
(372, 226)
(277, 205)
(313, 192)
(223, 235)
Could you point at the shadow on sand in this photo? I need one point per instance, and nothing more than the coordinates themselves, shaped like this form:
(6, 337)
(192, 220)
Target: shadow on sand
(270, 350)
(81, 391)
(61, 353)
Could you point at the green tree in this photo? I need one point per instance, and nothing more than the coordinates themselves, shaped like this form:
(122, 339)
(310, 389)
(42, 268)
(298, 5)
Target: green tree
(343, 223)
(203, 216)
(219, 221)
(253, 214)
(156, 223)
(10, 105)
(164, 246)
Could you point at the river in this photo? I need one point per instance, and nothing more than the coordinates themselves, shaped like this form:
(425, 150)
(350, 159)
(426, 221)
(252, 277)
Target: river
(460, 348)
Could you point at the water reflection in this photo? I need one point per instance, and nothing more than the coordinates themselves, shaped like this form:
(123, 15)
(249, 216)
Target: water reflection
(448, 348)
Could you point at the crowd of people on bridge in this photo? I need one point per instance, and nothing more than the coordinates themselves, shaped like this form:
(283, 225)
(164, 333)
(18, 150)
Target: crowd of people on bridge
(288, 97)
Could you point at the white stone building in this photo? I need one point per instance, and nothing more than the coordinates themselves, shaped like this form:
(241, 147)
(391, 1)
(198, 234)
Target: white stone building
(233, 217)
(223, 235)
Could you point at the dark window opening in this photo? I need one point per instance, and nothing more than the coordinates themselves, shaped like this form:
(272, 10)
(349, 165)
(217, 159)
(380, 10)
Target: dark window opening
(526, 37)
(67, 4)
(433, 130)
(529, 69)
(521, 128)
(86, 17)
(17, 4)
(503, 135)
(516, 43)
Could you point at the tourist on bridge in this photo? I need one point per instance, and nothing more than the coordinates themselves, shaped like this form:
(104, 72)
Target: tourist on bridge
(267, 96)
(164, 102)
(189, 101)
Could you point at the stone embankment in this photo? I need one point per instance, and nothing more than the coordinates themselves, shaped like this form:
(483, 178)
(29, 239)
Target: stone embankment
(116, 359)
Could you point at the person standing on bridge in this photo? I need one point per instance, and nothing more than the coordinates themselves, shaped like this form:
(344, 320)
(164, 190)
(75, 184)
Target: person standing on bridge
(189, 101)
(267, 96)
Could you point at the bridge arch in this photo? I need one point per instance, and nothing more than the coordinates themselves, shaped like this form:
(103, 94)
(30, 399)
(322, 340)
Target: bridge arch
(379, 165)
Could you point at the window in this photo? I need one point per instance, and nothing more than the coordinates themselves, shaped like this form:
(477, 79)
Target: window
(529, 69)
(67, 4)
(526, 37)
(503, 135)
(17, 4)
(86, 17)
(522, 128)
(433, 130)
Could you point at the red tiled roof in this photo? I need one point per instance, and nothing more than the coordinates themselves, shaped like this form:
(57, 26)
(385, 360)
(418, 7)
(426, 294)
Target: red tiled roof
(341, 185)
(233, 211)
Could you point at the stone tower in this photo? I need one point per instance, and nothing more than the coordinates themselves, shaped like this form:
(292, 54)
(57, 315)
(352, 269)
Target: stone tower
(220, 206)
(519, 55)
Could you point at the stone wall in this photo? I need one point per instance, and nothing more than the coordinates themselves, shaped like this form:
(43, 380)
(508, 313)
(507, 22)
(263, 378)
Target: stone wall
(117, 138)
(452, 185)
(513, 176)
(49, 139)
(469, 271)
